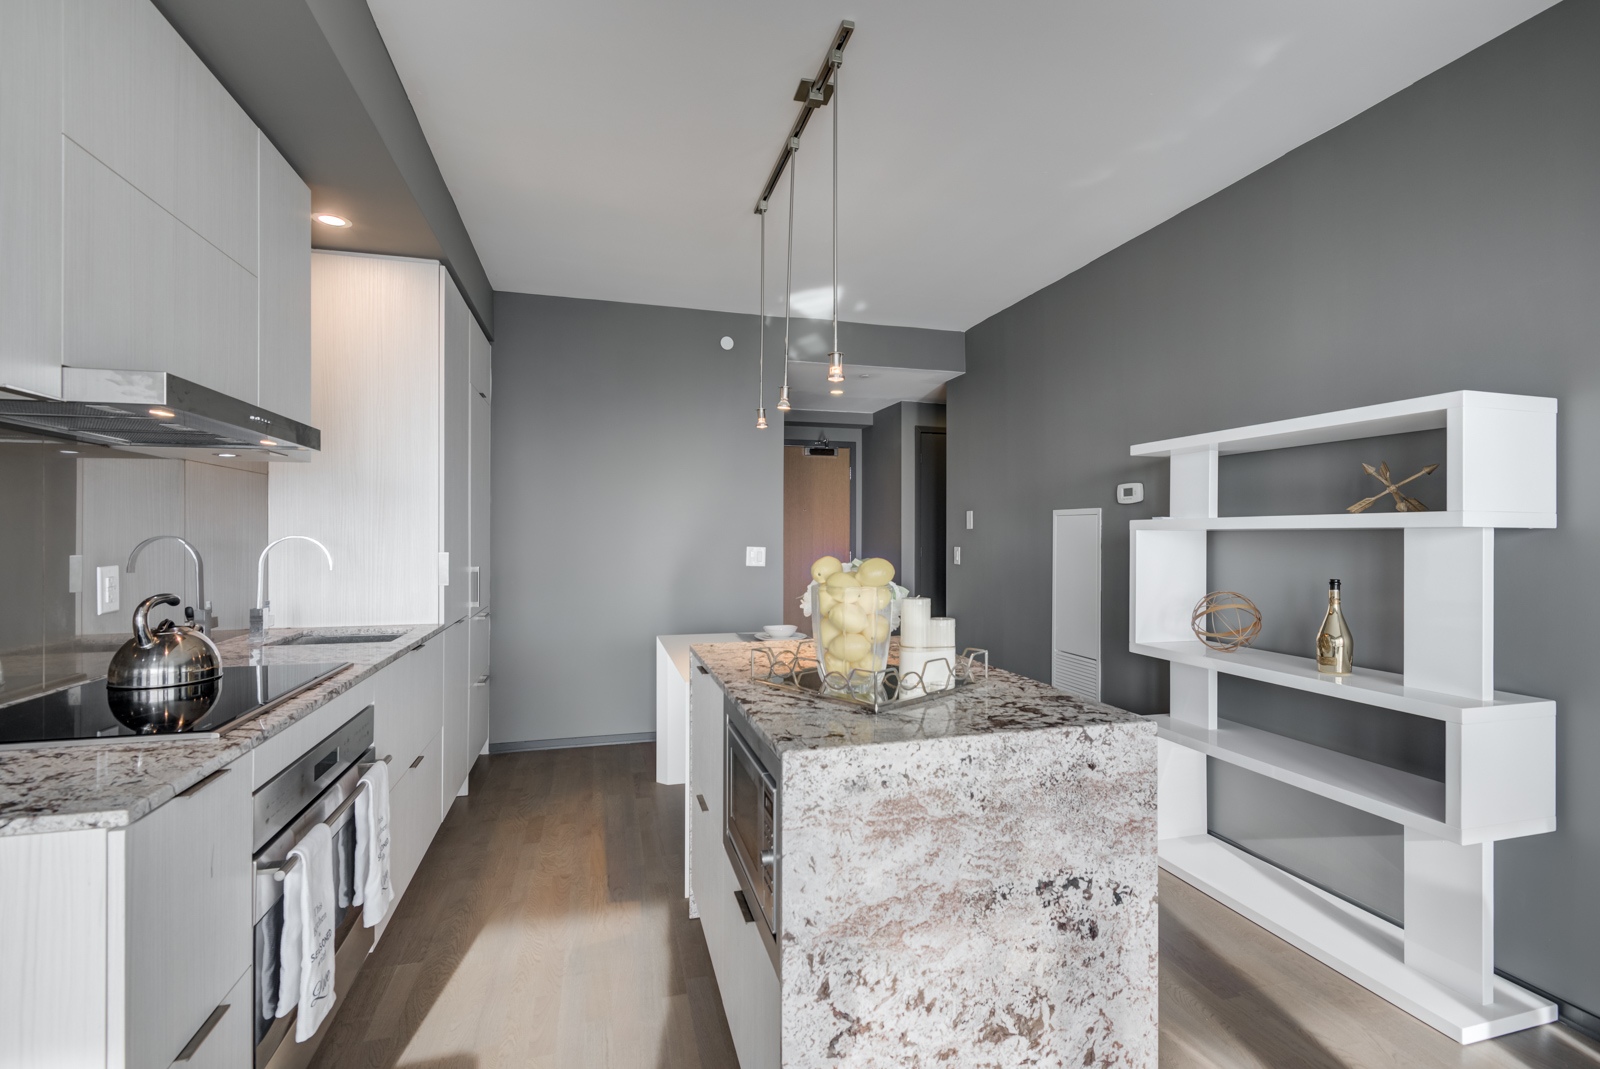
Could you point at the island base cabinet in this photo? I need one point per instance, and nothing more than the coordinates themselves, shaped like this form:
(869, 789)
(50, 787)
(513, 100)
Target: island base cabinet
(414, 816)
(745, 974)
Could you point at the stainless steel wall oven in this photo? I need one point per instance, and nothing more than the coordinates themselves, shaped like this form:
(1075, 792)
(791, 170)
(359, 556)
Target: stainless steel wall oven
(319, 786)
(751, 814)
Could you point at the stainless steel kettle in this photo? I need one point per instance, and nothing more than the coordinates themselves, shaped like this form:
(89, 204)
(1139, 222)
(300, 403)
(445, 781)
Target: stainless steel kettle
(173, 655)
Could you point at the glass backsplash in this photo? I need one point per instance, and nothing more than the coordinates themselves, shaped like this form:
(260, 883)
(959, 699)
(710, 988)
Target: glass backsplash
(68, 509)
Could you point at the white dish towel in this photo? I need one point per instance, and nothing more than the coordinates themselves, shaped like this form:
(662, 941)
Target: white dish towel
(374, 892)
(305, 975)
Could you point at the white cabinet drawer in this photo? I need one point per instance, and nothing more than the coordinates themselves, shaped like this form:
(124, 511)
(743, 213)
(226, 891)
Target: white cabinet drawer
(414, 815)
(407, 696)
(227, 1044)
(186, 934)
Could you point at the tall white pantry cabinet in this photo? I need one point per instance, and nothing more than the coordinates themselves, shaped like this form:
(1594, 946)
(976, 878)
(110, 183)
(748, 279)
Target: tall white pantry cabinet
(400, 491)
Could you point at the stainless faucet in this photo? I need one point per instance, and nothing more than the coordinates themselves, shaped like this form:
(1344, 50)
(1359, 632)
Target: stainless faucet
(258, 615)
(207, 622)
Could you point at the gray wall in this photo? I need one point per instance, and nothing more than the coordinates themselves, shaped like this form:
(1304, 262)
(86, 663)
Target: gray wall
(1447, 239)
(889, 527)
(628, 478)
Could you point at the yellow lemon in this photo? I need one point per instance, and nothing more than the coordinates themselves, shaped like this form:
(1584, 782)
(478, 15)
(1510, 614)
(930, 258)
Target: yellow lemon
(824, 567)
(848, 618)
(870, 663)
(825, 600)
(840, 581)
(877, 629)
(885, 596)
(875, 571)
(826, 633)
(830, 663)
(850, 647)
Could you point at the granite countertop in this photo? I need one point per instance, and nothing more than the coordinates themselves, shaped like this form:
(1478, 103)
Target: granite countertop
(112, 784)
(1006, 702)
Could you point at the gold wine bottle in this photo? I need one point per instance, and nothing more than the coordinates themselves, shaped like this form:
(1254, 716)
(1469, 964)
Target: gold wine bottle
(1335, 644)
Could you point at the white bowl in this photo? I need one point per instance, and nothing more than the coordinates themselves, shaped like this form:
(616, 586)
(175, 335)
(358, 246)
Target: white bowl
(779, 630)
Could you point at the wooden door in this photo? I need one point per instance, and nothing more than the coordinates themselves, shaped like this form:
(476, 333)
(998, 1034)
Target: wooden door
(816, 520)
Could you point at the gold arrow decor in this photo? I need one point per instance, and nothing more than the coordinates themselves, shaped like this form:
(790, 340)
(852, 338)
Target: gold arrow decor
(1402, 502)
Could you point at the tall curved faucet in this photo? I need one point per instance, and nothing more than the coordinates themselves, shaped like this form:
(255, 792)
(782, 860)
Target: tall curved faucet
(207, 622)
(258, 615)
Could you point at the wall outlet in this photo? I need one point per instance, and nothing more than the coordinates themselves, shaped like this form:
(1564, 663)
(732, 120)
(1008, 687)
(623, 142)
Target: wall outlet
(1130, 493)
(958, 554)
(107, 589)
(969, 519)
(755, 556)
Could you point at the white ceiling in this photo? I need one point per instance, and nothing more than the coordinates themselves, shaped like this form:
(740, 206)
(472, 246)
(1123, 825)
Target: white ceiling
(614, 148)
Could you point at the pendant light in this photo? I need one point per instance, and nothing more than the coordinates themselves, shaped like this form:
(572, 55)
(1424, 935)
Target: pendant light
(835, 358)
(788, 277)
(761, 389)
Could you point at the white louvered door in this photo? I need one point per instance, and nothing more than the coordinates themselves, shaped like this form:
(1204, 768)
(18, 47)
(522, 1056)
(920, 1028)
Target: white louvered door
(1075, 602)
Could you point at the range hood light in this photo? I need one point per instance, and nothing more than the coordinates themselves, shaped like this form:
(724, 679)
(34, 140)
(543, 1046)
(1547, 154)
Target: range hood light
(70, 452)
(227, 454)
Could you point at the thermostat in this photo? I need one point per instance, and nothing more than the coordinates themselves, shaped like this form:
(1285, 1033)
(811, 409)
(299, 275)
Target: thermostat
(1130, 493)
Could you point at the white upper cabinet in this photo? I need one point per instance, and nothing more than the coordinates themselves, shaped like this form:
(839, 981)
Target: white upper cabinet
(482, 365)
(479, 509)
(284, 360)
(139, 100)
(147, 224)
(30, 195)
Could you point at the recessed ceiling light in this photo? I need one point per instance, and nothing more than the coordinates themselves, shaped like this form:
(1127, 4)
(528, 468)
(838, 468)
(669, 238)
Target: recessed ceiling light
(161, 413)
(836, 392)
(70, 452)
(331, 220)
(268, 441)
(227, 454)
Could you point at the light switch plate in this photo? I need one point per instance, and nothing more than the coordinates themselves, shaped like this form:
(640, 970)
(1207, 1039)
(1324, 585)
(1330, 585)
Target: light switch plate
(755, 556)
(107, 589)
(958, 554)
(1130, 493)
(969, 519)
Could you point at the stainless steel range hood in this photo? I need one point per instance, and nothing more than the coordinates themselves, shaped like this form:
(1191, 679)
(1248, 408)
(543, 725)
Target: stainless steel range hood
(155, 409)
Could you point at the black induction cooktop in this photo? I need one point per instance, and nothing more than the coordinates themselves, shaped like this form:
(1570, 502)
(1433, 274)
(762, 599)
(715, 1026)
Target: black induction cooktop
(91, 712)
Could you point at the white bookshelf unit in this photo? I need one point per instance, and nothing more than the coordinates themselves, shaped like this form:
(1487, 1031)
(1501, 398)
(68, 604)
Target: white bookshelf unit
(1500, 748)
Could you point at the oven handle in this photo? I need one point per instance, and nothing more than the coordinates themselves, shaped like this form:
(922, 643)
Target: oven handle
(281, 869)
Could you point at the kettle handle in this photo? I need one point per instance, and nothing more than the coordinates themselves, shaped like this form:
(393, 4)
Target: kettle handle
(141, 617)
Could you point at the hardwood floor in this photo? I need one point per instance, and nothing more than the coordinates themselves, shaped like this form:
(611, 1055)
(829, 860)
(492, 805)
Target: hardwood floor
(546, 928)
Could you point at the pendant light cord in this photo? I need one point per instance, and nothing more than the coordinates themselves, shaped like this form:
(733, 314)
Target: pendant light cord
(836, 207)
(788, 280)
(761, 359)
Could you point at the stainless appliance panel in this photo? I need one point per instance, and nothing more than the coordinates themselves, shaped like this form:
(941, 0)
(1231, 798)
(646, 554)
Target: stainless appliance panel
(751, 815)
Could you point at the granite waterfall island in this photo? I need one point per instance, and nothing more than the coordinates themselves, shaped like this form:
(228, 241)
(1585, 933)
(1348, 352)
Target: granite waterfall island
(968, 881)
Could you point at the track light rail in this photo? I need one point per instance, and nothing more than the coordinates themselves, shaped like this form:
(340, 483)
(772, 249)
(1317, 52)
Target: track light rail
(812, 95)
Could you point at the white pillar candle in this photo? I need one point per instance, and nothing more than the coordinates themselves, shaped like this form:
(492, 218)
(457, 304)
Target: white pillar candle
(941, 631)
(914, 614)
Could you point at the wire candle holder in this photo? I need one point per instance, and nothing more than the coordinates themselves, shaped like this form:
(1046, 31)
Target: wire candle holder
(798, 670)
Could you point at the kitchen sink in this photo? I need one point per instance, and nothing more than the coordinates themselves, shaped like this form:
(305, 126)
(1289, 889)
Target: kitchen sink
(345, 638)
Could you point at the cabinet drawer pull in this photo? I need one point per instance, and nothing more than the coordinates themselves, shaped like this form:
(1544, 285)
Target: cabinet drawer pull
(702, 800)
(418, 761)
(199, 1037)
(744, 907)
(202, 785)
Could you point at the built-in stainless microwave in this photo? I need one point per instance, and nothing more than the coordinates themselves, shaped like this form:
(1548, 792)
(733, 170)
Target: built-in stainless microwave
(751, 812)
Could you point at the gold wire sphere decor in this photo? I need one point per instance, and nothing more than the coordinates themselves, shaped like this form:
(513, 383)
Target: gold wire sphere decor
(1225, 620)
